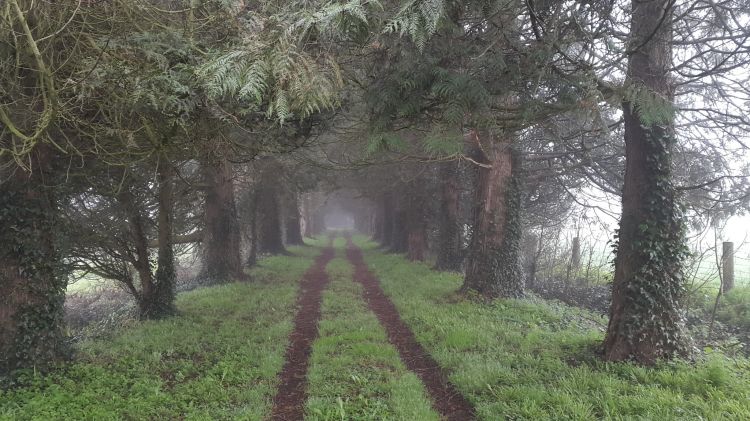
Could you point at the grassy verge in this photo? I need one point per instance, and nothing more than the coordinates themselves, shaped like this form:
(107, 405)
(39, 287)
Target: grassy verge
(355, 374)
(218, 359)
(528, 359)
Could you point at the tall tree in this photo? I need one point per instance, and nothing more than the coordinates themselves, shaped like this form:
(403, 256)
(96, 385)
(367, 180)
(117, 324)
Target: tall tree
(645, 315)
(270, 235)
(293, 219)
(32, 283)
(221, 234)
(449, 234)
(493, 265)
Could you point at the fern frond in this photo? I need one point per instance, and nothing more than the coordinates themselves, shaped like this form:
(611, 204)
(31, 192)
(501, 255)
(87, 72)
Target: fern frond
(419, 19)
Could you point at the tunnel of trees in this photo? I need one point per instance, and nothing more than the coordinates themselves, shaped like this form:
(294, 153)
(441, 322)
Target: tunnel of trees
(137, 134)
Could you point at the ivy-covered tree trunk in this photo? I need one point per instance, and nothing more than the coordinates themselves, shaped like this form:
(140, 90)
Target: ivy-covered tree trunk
(221, 235)
(493, 268)
(269, 231)
(293, 226)
(449, 237)
(32, 286)
(645, 314)
(161, 303)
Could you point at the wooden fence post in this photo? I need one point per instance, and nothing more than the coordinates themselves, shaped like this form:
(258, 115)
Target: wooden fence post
(727, 264)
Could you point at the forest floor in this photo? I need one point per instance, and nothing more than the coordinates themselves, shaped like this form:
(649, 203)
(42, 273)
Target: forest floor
(342, 331)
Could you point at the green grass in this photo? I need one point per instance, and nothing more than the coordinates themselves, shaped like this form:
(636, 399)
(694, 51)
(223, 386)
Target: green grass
(217, 360)
(355, 374)
(528, 359)
(514, 359)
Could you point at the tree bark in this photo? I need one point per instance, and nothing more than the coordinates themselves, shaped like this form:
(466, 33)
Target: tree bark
(645, 313)
(318, 221)
(269, 232)
(493, 267)
(416, 220)
(221, 241)
(293, 226)
(161, 303)
(388, 220)
(417, 244)
(32, 287)
(377, 220)
(399, 230)
(252, 226)
(307, 215)
(449, 237)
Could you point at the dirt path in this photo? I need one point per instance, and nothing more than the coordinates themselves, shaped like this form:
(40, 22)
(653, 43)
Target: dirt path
(289, 402)
(445, 398)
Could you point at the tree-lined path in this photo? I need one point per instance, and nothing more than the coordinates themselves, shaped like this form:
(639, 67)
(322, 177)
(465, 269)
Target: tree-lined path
(338, 329)
(170, 171)
(289, 401)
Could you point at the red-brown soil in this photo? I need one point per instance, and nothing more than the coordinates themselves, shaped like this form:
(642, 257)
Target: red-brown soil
(289, 402)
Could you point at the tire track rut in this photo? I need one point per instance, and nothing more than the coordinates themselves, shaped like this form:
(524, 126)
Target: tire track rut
(445, 397)
(289, 401)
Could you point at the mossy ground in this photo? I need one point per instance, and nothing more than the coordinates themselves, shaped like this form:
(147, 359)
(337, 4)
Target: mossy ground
(514, 359)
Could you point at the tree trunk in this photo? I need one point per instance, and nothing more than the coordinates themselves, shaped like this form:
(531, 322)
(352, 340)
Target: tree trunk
(449, 237)
(493, 267)
(270, 236)
(221, 242)
(645, 314)
(377, 221)
(141, 259)
(417, 244)
(416, 219)
(318, 221)
(32, 287)
(399, 230)
(727, 266)
(362, 221)
(293, 227)
(251, 220)
(307, 215)
(161, 303)
(388, 220)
